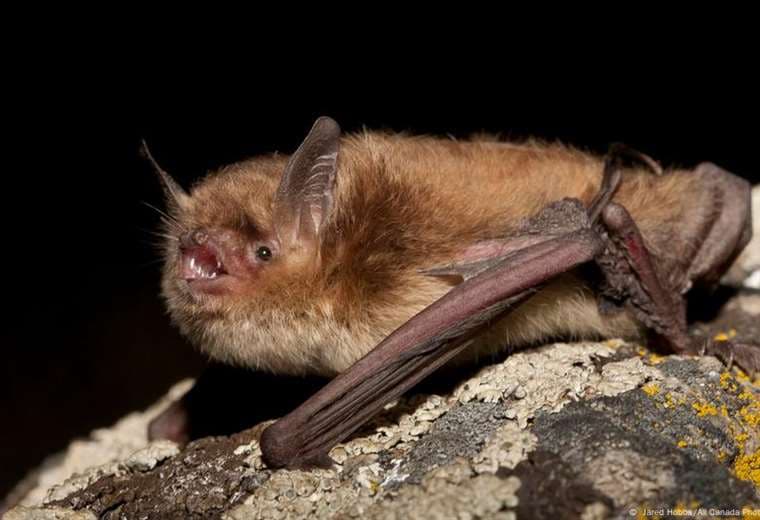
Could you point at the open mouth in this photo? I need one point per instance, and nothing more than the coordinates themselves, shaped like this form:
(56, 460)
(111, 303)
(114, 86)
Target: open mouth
(201, 263)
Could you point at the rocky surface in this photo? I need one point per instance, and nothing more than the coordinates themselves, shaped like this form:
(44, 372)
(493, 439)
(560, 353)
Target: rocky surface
(583, 430)
(85, 460)
(567, 430)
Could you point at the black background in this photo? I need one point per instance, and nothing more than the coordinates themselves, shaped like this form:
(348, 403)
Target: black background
(85, 338)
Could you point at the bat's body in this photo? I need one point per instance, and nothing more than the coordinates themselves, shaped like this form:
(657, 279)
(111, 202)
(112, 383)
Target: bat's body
(306, 271)
(404, 204)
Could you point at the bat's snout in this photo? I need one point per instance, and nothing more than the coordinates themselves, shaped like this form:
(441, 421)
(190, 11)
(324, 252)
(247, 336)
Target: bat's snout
(199, 258)
(213, 261)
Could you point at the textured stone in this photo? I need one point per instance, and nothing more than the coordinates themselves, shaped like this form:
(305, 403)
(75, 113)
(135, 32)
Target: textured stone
(593, 428)
(52, 513)
(84, 461)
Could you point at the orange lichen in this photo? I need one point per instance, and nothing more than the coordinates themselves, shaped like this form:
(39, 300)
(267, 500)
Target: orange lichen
(725, 336)
(727, 383)
(741, 424)
(682, 443)
(680, 509)
(651, 389)
(704, 409)
(747, 467)
(750, 415)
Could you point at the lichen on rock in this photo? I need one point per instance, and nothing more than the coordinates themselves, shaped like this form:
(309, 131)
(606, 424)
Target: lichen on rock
(604, 423)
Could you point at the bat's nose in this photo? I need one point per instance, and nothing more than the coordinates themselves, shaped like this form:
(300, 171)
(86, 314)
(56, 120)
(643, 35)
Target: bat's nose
(196, 237)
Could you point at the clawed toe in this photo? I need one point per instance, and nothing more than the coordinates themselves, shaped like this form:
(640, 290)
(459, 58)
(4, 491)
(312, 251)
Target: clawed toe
(746, 356)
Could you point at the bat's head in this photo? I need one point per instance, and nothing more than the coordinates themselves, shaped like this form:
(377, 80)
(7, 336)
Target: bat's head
(250, 275)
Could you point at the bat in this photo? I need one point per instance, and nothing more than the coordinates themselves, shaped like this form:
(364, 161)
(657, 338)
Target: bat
(377, 258)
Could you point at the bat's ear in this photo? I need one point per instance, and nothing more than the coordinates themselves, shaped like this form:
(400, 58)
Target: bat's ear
(176, 197)
(304, 197)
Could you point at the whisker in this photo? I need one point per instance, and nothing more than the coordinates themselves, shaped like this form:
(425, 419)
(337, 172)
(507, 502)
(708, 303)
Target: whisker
(150, 263)
(173, 225)
(158, 247)
(160, 234)
(166, 218)
(166, 236)
(156, 209)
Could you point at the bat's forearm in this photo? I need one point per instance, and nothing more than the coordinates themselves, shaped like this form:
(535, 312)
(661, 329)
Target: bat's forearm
(418, 348)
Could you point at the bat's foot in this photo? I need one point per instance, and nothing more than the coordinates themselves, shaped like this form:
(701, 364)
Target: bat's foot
(172, 424)
(744, 355)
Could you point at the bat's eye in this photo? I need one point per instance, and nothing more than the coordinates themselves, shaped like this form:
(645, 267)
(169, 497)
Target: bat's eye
(264, 253)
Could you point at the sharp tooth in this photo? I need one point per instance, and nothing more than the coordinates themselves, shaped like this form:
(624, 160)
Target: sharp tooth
(192, 263)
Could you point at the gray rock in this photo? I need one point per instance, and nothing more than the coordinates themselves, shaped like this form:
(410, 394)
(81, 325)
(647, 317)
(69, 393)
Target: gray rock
(45, 513)
(598, 429)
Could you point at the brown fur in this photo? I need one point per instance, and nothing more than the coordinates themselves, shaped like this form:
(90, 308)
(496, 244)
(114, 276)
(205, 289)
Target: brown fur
(403, 204)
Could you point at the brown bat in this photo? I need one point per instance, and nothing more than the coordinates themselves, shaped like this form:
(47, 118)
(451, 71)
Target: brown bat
(379, 258)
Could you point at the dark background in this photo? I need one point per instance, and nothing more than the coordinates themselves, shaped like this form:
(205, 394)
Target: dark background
(85, 338)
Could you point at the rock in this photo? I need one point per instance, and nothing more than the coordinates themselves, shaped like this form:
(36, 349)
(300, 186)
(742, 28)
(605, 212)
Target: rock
(45, 513)
(150, 456)
(84, 461)
(597, 429)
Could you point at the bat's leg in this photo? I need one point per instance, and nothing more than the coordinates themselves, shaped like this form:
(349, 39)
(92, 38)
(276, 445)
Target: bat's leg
(745, 355)
(631, 270)
(659, 307)
(627, 265)
(417, 348)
